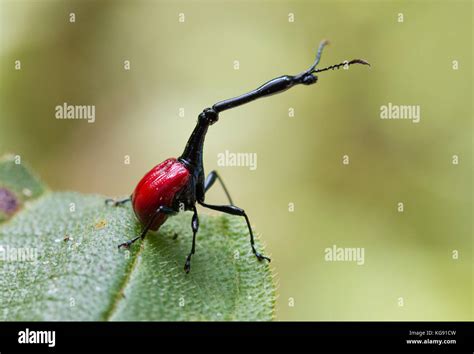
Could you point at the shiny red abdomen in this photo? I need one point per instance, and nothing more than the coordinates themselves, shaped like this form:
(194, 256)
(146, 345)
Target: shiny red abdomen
(158, 188)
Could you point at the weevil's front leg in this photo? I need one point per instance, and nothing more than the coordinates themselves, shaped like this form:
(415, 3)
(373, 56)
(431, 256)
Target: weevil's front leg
(163, 210)
(233, 210)
(114, 202)
(211, 179)
(195, 227)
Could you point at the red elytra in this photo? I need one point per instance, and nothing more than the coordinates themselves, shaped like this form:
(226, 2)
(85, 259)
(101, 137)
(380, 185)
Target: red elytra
(158, 188)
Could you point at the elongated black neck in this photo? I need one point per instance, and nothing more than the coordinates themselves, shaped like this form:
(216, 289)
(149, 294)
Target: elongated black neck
(192, 154)
(272, 87)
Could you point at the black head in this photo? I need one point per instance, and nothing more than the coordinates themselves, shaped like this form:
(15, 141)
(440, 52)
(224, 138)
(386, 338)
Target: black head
(309, 79)
(209, 115)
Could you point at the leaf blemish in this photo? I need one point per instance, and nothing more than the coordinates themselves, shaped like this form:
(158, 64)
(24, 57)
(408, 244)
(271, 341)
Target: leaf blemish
(9, 203)
(100, 224)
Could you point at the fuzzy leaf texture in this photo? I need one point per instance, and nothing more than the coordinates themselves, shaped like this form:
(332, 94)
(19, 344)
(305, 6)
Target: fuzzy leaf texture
(71, 269)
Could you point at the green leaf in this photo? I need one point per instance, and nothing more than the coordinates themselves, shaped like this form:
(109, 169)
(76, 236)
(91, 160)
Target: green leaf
(17, 186)
(59, 261)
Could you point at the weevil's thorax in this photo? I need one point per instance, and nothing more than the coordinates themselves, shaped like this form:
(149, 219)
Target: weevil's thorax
(193, 191)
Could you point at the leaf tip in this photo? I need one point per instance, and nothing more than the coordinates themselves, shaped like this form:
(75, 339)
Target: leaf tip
(9, 203)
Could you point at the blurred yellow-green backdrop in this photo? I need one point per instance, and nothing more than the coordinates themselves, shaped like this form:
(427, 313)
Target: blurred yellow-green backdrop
(187, 55)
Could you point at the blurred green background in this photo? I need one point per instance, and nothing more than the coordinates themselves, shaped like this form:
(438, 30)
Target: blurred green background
(190, 65)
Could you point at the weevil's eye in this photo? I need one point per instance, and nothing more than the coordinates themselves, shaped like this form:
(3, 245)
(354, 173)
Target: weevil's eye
(309, 79)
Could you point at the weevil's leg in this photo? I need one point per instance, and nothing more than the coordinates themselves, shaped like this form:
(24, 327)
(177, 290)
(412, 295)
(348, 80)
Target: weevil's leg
(233, 210)
(211, 178)
(162, 209)
(195, 227)
(114, 202)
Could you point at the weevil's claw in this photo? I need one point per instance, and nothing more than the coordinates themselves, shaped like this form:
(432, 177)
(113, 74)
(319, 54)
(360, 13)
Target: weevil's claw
(110, 202)
(261, 257)
(187, 265)
(125, 245)
(114, 202)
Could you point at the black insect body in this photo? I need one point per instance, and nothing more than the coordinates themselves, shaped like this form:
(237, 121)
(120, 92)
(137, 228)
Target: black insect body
(177, 183)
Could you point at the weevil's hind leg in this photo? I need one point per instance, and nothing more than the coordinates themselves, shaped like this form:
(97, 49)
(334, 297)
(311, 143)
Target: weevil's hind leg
(211, 179)
(195, 227)
(162, 210)
(129, 242)
(114, 202)
(233, 210)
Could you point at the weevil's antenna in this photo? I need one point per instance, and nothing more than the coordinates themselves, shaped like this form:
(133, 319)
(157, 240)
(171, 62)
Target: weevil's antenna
(344, 63)
(323, 43)
(313, 70)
